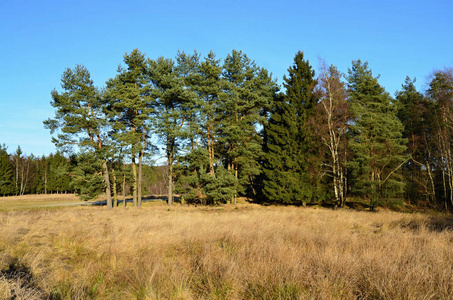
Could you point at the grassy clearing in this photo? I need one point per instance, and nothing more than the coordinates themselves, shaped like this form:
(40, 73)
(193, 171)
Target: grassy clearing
(38, 201)
(236, 252)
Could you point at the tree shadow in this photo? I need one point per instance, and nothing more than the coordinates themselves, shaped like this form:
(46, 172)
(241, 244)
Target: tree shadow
(22, 276)
(129, 200)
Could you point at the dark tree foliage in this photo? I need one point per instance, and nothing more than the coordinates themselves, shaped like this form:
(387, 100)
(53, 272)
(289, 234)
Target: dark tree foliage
(87, 180)
(6, 173)
(440, 93)
(415, 113)
(58, 180)
(376, 138)
(286, 167)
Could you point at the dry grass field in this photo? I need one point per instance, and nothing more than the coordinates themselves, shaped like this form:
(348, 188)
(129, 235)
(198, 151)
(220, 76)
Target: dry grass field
(235, 252)
(38, 201)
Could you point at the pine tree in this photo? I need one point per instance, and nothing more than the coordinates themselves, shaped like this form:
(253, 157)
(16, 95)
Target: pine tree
(79, 119)
(288, 147)
(209, 87)
(202, 176)
(247, 93)
(130, 106)
(170, 118)
(376, 142)
(193, 161)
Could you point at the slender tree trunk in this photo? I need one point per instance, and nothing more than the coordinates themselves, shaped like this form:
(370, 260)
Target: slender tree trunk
(431, 180)
(124, 189)
(139, 186)
(342, 187)
(45, 180)
(211, 148)
(17, 174)
(27, 173)
(170, 182)
(115, 194)
(140, 163)
(107, 185)
(134, 188)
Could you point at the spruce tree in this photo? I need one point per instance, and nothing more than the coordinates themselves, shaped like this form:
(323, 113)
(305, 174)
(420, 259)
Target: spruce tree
(376, 139)
(288, 144)
(6, 173)
(58, 177)
(415, 113)
(87, 180)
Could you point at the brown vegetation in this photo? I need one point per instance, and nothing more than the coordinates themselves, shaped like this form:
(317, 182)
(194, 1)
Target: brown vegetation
(234, 252)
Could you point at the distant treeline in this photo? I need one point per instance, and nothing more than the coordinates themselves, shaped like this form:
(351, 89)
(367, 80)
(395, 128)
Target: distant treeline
(56, 174)
(229, 130)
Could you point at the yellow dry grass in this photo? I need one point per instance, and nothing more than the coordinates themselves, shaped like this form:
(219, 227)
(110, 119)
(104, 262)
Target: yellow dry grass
(38, 201)
(236, 252)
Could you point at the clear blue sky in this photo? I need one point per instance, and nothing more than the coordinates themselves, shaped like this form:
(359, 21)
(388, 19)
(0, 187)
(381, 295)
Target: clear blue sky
(39, 39)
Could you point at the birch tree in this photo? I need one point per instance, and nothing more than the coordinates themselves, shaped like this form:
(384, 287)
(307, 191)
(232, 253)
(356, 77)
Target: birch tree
(330, 126)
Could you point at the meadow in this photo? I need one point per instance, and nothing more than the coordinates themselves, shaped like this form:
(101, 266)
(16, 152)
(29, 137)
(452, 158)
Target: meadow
(25, 202)
(242, 251)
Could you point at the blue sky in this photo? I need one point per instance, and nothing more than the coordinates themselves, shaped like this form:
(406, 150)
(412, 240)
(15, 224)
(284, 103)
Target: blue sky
(39, 39)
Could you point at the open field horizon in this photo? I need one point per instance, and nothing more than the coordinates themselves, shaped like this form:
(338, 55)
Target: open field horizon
(242, 251)
(44, 201)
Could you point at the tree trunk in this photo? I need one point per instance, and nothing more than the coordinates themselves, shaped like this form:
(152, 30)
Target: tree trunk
(170, 182)
(140, 163)
(107, 186)
(134, 188)
(139, 186)
(124, 189)
(115, 194)
(45, 181)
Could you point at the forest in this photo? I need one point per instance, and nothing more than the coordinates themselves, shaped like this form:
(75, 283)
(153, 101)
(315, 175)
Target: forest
(228, 130)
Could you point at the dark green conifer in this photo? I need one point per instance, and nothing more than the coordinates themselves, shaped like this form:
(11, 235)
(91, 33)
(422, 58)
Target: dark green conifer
(376, 140)
(415, 113)
(6, 173)
(288, 144)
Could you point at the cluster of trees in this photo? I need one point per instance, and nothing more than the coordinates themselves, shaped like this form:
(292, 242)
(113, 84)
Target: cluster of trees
(21, 174)
(57, 174)
(227, 131)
